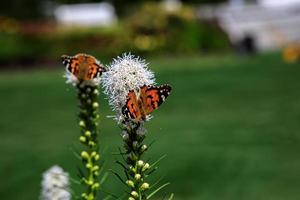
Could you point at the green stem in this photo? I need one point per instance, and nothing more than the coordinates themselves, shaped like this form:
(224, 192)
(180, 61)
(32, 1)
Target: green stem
(134, 135)
(88, 117)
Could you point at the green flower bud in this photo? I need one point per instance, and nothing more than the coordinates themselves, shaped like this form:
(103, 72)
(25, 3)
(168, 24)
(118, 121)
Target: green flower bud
(85, 155)
(91, 143)
(88, 133)
(144, 186)
(84, 195)
(81, 123)
(131, 198)
(134, 194)
(137, 177)
(140, 163)
(90, 182)
(96, 185)
(144, 147)
(130, 183)
(83, 96)
(95, 168)
(132, 169)
(89, 101)
(88, 165)
(96, 92)
(96, 173)
(82, 139)
(146, 166)
(97, 157)
(93, 154)
(95, 105)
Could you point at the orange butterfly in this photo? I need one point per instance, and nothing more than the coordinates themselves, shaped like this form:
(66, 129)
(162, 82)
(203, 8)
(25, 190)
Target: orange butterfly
(83, 66)
(143, 102)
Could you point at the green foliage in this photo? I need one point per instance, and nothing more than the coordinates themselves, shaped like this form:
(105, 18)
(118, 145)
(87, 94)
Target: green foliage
(154, 29)
(151, 30)
(230, 130)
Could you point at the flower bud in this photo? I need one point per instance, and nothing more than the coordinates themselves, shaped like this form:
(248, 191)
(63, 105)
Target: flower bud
(146, 166)
(88, 90)
(96, 185)
(134, 144)
(81, 123)
(97, 157)
(95, 105)
(83, 96)
(94, 153)
(95, 168)
(132, 169)
(125, 136)
(88, 165)
(130, 183)
(144, 186)
(82, 139)
(131, 198)
(137, 177)
(91, 143)
(134, 194)
(89, 101)
(96, 173)
(88, 133)
(96, 92)
(85, 155)
(84, 195)
(140, 163)
(144, 147)
(90, 182)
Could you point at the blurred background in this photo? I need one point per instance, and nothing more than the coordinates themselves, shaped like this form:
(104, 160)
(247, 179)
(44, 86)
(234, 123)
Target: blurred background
(230, 129)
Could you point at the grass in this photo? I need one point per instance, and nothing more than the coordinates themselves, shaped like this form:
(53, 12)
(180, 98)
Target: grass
(230, 129)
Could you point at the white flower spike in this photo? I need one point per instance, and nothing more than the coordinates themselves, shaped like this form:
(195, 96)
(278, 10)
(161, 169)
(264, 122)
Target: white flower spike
(125, 73)
(55, 184)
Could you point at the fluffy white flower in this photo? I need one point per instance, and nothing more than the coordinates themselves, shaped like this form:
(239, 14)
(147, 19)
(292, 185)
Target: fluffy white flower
(73, 80)
(55, 184)
(125, 73)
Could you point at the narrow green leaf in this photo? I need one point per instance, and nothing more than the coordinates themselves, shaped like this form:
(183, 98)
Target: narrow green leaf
(157, 190)
(155, 163)
(104, 177)
(171, 196)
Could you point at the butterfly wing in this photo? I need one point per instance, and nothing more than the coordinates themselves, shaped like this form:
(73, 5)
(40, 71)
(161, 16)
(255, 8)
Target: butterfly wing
(94, 68)
(154, 96)
(132, 107)
(83, 66)
(71, 63)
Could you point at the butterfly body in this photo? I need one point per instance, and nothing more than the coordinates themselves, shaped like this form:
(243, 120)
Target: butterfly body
(143, 102)
(83, 66)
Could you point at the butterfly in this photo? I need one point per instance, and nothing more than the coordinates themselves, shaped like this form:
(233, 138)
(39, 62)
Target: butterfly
(141, 103)
(84, 67)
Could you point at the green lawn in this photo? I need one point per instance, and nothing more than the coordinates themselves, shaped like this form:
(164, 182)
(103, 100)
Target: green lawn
(230, 129)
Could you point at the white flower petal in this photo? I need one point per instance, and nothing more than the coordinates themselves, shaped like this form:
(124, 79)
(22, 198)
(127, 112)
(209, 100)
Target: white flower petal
(55, 184)
(124, 74)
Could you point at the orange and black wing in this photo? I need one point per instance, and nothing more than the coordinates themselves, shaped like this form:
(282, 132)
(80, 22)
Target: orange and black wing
(132, 109)
(83, 66)
(154, 96)
(71, 63)
(94, 68)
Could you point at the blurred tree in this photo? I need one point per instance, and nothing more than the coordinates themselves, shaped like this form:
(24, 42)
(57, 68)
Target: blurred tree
(33, 9)
(21, 9)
